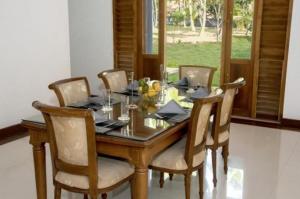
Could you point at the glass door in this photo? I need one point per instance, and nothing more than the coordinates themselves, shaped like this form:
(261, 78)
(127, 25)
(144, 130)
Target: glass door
(239, 43)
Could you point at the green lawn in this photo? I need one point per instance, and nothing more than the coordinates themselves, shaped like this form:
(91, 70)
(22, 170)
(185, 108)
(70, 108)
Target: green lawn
(207, 54)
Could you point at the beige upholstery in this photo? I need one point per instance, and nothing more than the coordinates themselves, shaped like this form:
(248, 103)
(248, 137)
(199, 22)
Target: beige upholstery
(198, 76)
(204, 116)
(117, 80)
(228, 103)
(224, 136)
(173, 157)
(71, 140)
(226, 106)
(110, 172)
(225, 115)
(73, 92)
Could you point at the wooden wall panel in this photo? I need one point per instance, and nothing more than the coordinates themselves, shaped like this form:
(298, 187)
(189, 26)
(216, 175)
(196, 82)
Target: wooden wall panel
(242, 102)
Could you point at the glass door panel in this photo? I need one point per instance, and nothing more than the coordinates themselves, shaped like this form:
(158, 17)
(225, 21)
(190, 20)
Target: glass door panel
(152, 47)
(242, 29)
(194, 32)
(151, 21)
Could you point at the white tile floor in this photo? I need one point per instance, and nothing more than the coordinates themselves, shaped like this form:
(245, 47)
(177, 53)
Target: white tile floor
(264, 163)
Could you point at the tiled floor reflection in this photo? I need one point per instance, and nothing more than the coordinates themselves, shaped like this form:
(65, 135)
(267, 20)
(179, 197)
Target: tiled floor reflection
(264, 163)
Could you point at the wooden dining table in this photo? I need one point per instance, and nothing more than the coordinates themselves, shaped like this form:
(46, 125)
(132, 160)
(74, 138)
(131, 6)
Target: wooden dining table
(138, 142)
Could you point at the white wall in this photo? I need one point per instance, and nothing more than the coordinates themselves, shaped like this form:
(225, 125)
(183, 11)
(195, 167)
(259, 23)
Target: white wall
(292, 94)
(34, 51)
(91, 38)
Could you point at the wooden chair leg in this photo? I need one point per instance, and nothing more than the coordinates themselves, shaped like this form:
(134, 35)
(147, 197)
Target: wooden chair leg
(214, 165)
(187, 185)
(161, 180)
(85, 196)
(201, 181)
(131, 188)
(225, 154)
(94, 196)
(171, 176)
(57, 192)
(104, 196)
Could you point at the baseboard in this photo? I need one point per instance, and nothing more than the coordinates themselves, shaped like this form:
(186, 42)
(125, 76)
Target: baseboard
(12, 133)
(290, 124)
(256, 122)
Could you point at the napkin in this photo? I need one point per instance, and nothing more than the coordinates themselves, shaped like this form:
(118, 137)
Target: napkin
(171, 108)
(183, 82)
(133, 86)
(97, 100)
(200, 93)
(99, 117)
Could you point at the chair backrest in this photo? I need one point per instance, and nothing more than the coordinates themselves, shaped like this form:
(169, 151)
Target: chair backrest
(230, 90)
(115, 80)
(72, 140)
(198, 125)
(72, 90)
(197, 75)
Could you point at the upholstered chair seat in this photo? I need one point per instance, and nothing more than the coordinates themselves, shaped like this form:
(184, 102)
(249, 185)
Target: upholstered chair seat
(219, 135)
(110, 172)
(188, 154)
(173, 157)
(75, 164)
(223, 136)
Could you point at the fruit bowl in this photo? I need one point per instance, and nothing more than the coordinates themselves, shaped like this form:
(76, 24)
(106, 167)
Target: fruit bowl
(149, 91)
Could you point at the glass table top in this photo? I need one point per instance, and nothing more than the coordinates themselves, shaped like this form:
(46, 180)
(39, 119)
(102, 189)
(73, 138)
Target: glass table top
(143, 124)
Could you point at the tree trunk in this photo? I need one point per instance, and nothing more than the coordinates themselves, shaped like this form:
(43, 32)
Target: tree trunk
(192, 25)
(203, 18)
(217, 9)
(184, 13)
(156, 15)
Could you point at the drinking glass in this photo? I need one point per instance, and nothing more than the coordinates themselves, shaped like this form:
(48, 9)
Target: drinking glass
(161, 97)
(124, 110)
(107, 103)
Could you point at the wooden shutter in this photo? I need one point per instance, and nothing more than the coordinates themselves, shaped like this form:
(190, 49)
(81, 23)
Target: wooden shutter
(272, 48)
(125, 34)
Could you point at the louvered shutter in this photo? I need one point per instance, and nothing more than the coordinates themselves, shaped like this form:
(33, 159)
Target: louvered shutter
(125, 34)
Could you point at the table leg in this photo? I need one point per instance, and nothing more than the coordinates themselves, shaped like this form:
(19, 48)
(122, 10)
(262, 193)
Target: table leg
(40, 170)
(140, 183)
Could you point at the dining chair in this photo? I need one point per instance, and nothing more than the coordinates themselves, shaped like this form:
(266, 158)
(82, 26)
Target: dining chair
(188, 154)
(75, 164)
(219, 133)
(197, 75)
(71, 90)
(116, 80)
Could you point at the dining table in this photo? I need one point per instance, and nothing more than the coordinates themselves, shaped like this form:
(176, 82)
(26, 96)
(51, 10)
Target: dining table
(143, 137)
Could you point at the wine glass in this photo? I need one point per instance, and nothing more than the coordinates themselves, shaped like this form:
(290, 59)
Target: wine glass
(162, 73)
(132, 105)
